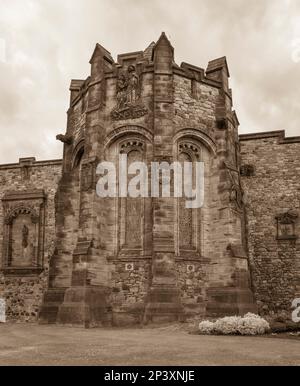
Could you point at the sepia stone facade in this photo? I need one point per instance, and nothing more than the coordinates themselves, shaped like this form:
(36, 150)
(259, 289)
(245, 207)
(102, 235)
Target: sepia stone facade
(27, 191)
(270, 169)
(71, 257)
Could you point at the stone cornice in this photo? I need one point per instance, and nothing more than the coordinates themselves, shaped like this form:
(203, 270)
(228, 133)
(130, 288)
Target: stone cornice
(24, 195)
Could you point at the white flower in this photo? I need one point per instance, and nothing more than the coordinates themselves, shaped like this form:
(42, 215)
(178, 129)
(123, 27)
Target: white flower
(228, 325)
(253, 325)
(206, 327)
(250, 324)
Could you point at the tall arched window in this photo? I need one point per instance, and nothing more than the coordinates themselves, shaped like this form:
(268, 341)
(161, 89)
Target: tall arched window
(185, 215)
(188, 225)
(131, 210)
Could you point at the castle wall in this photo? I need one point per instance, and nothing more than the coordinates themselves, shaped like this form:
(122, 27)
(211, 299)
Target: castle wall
(271, 182)
(23, 186)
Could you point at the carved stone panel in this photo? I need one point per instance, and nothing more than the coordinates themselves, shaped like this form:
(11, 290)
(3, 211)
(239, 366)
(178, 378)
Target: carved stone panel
(23, 236)
(163, 269)
(129, 105)
(286, 225)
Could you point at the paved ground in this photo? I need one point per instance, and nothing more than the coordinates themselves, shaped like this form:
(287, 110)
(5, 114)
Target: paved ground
(54, 345)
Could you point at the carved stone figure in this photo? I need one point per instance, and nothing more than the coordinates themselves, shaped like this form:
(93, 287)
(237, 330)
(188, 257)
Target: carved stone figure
(128, 96)
(121, 92)
(133, 84)
(25, 234)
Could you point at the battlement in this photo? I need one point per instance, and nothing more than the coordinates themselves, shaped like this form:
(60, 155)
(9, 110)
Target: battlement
(279, 134)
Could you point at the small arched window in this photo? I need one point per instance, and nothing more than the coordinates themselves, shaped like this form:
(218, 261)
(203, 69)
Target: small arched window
(78, 158)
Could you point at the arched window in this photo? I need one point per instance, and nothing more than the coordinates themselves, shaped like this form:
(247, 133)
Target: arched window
(78, 158)
(185, 215)
(188, 225)
(22, 240)
(131, 210)
(23, 232)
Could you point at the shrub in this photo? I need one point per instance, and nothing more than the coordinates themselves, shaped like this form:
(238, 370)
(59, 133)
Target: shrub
(206, 327)
(228, 325)
(250, 324)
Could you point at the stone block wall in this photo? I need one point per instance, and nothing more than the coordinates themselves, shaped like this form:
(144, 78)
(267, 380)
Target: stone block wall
(194, 105)
(21, 186)
(136, 259)
(271, 183)
(146, 106)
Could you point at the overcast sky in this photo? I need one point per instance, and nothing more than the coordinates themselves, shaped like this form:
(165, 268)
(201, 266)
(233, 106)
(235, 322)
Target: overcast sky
(45, 43)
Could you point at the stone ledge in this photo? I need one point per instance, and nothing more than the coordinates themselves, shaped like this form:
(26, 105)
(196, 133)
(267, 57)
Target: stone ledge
(282, 238)
(22, 271)
(24, 195)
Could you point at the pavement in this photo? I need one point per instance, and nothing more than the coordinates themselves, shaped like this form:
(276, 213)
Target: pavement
(33, 344)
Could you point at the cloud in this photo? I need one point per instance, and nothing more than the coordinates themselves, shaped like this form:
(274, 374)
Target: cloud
(49, 42)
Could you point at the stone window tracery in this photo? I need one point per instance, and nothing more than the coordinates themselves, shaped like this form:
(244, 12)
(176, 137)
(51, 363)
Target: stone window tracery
(131, 210)
(187, 219)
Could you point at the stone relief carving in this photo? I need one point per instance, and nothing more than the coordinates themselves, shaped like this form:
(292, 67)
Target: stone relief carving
(129, 105)
(189, 149)
(23, 232)
(286, 225)
(129, 146)
(13, 212)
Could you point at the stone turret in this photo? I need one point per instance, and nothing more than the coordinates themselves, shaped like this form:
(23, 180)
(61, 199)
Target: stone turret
(131, 260)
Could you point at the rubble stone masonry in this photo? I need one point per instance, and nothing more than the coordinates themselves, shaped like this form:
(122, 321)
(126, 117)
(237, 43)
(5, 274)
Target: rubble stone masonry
(272, 189)
(22, 184)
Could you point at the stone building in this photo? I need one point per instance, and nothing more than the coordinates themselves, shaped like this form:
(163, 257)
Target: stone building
(71, 257)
